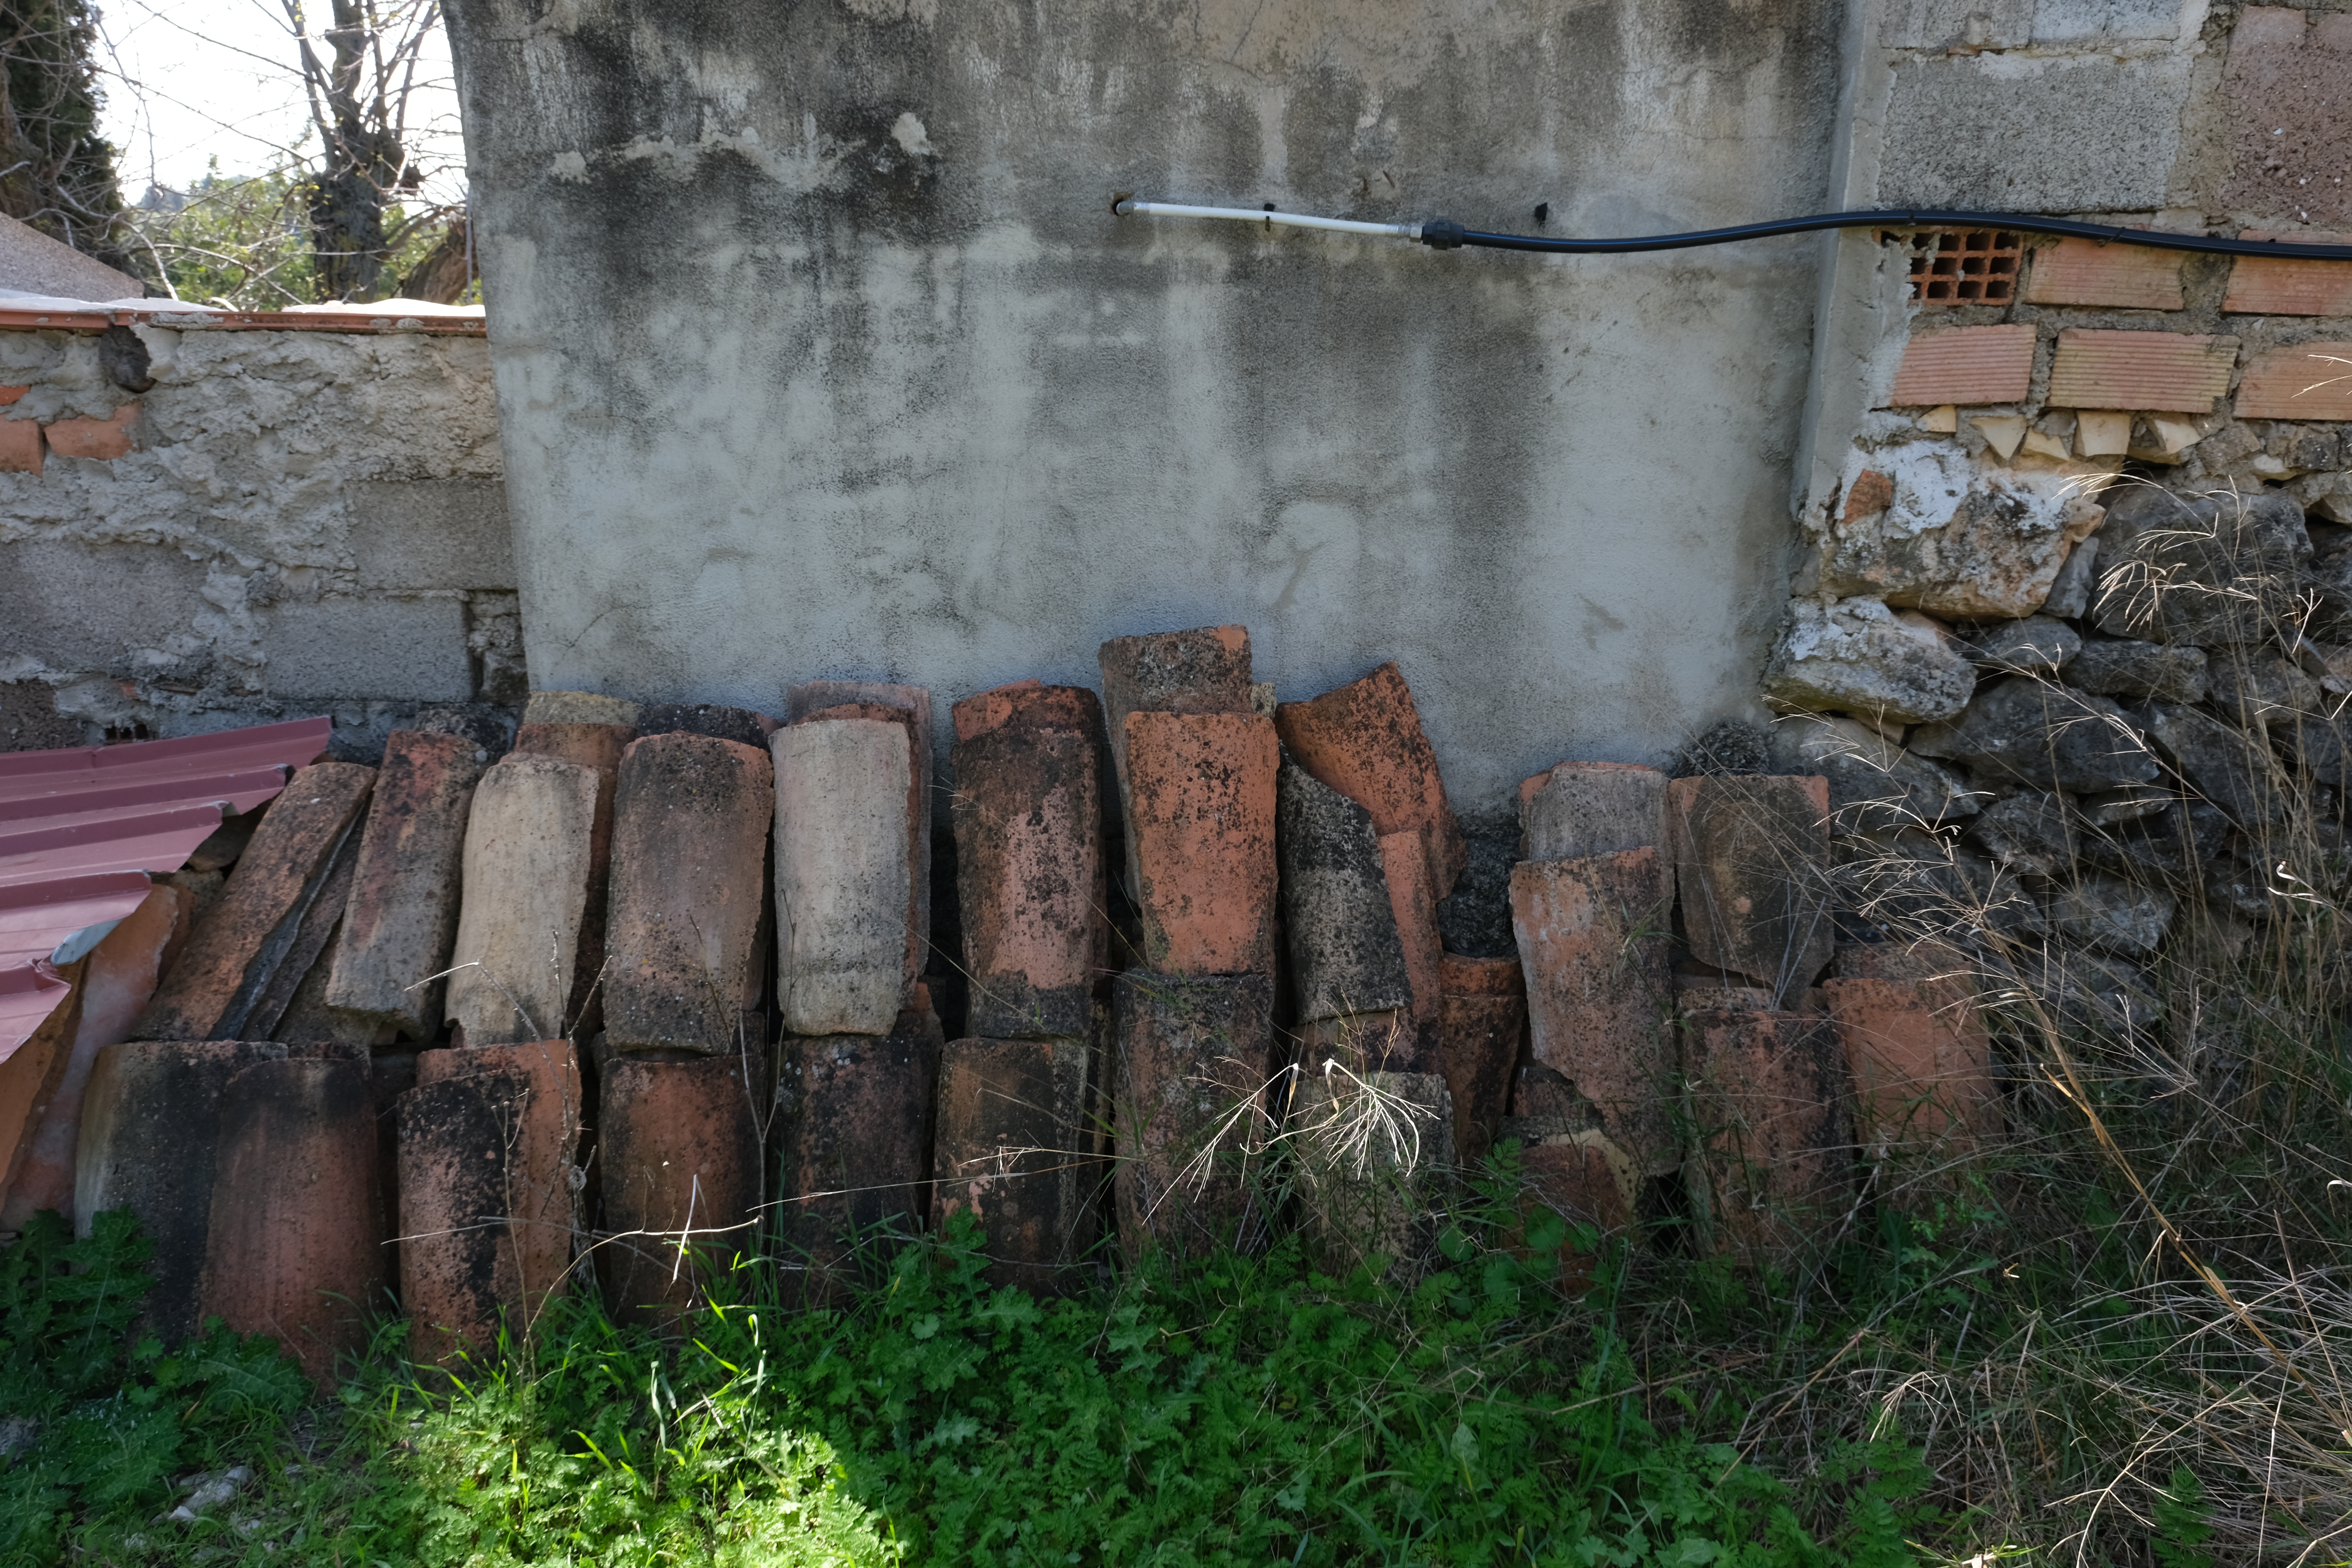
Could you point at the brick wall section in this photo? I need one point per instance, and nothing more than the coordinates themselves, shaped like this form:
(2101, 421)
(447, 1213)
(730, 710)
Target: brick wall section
(281, 521)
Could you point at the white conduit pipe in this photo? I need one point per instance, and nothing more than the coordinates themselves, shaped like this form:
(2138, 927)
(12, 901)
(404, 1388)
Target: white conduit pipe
(1126, 206)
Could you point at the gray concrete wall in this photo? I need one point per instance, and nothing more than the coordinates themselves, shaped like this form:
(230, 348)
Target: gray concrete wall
(819, 350)
(303, 522)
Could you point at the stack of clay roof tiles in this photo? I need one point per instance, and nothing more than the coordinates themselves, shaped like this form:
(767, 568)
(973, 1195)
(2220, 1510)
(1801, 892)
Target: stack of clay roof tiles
(662, 988)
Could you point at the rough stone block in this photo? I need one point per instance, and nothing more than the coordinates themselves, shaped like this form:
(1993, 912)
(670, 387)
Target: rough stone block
(845, 905)
(1482, 1029)
(527, 862)
(209, 994)
(1375, 1158)
(1921, 1060)
(75, 606)
(487, 1227)
(691, 819)
(2110, 128)
(596, 746)
(1365, 739)
(1859, 656)
(2070, 591)
(2036, 645)
(1964, 365)
(581, 707)
(115, 984)
(1959, 544)
(431, 533)
(2043, 735)
(2113, 914)
(401, 917)
(1201, 835)
(915, 703)
(2086, 272)
(2214, 570)
(1573, 810)
(1346, 951)
(1030, 871)
(1192, 1059)
(293, 1244)
(1768, 1104)
(2127, 668)
(2309, 381)
(338, 649)
(1935, 24)
(151, 1124)
(1876, 785)
(1595, 937)
(853, 1115)
(1016, 1149)
(101, 440)
(1751, 860)
(2221, 763)
(1414, 904)
(2171, 371)
(679, 1145)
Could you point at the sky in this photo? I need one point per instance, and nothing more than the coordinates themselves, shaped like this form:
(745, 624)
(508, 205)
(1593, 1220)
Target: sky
(190, 81)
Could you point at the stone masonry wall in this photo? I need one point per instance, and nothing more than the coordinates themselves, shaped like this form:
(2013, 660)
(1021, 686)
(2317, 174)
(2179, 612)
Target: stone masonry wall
(248, 525)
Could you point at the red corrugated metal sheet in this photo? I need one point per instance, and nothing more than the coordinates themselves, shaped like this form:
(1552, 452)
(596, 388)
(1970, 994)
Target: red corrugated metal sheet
(81, 830)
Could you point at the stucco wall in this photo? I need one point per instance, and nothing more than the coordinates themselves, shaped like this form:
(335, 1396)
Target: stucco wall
(288, 522)
(820, 353)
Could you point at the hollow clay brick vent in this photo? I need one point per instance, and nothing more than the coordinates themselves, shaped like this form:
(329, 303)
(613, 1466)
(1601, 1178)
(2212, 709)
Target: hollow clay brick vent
(1963, 266)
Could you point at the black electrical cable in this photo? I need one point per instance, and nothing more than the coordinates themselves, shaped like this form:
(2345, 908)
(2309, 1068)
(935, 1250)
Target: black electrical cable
(1443, 234)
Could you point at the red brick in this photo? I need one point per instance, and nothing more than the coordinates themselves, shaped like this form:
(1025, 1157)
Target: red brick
(112, 437)
(1405, 858)
(1571, 810)
(800, 701)
(294, 1239)
(115, 984)
(459, 1155)
(1201, 829)
(199, 998)
(918, 817)
(2283, 286)
(1921, 1060)
(1579, 1174)
(151, 1127)
(1030, 872)
(1386, 1040)
(1751, 869)
(401, 917)
(1595, 936)
(11, 393)
(1205, 671)
(2309, 381)
(690, 820)
(2177, 373)
(526, 880)
(1965, 364)
(21, 446)
(853, 1117)
(538, 1102)
(1016, 1151)
(1373, 1161)
(598, 748)
(679, 1148)
(1769, 1106)
(1189, 1088)
(1871, 493)
(1365, 739)
(2077, 271)
(29, 1079)
(846, 940)
(1482, 1026)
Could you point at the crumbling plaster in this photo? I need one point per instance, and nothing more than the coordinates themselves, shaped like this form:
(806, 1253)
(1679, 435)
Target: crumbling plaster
(305, 519)
(820, 352)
